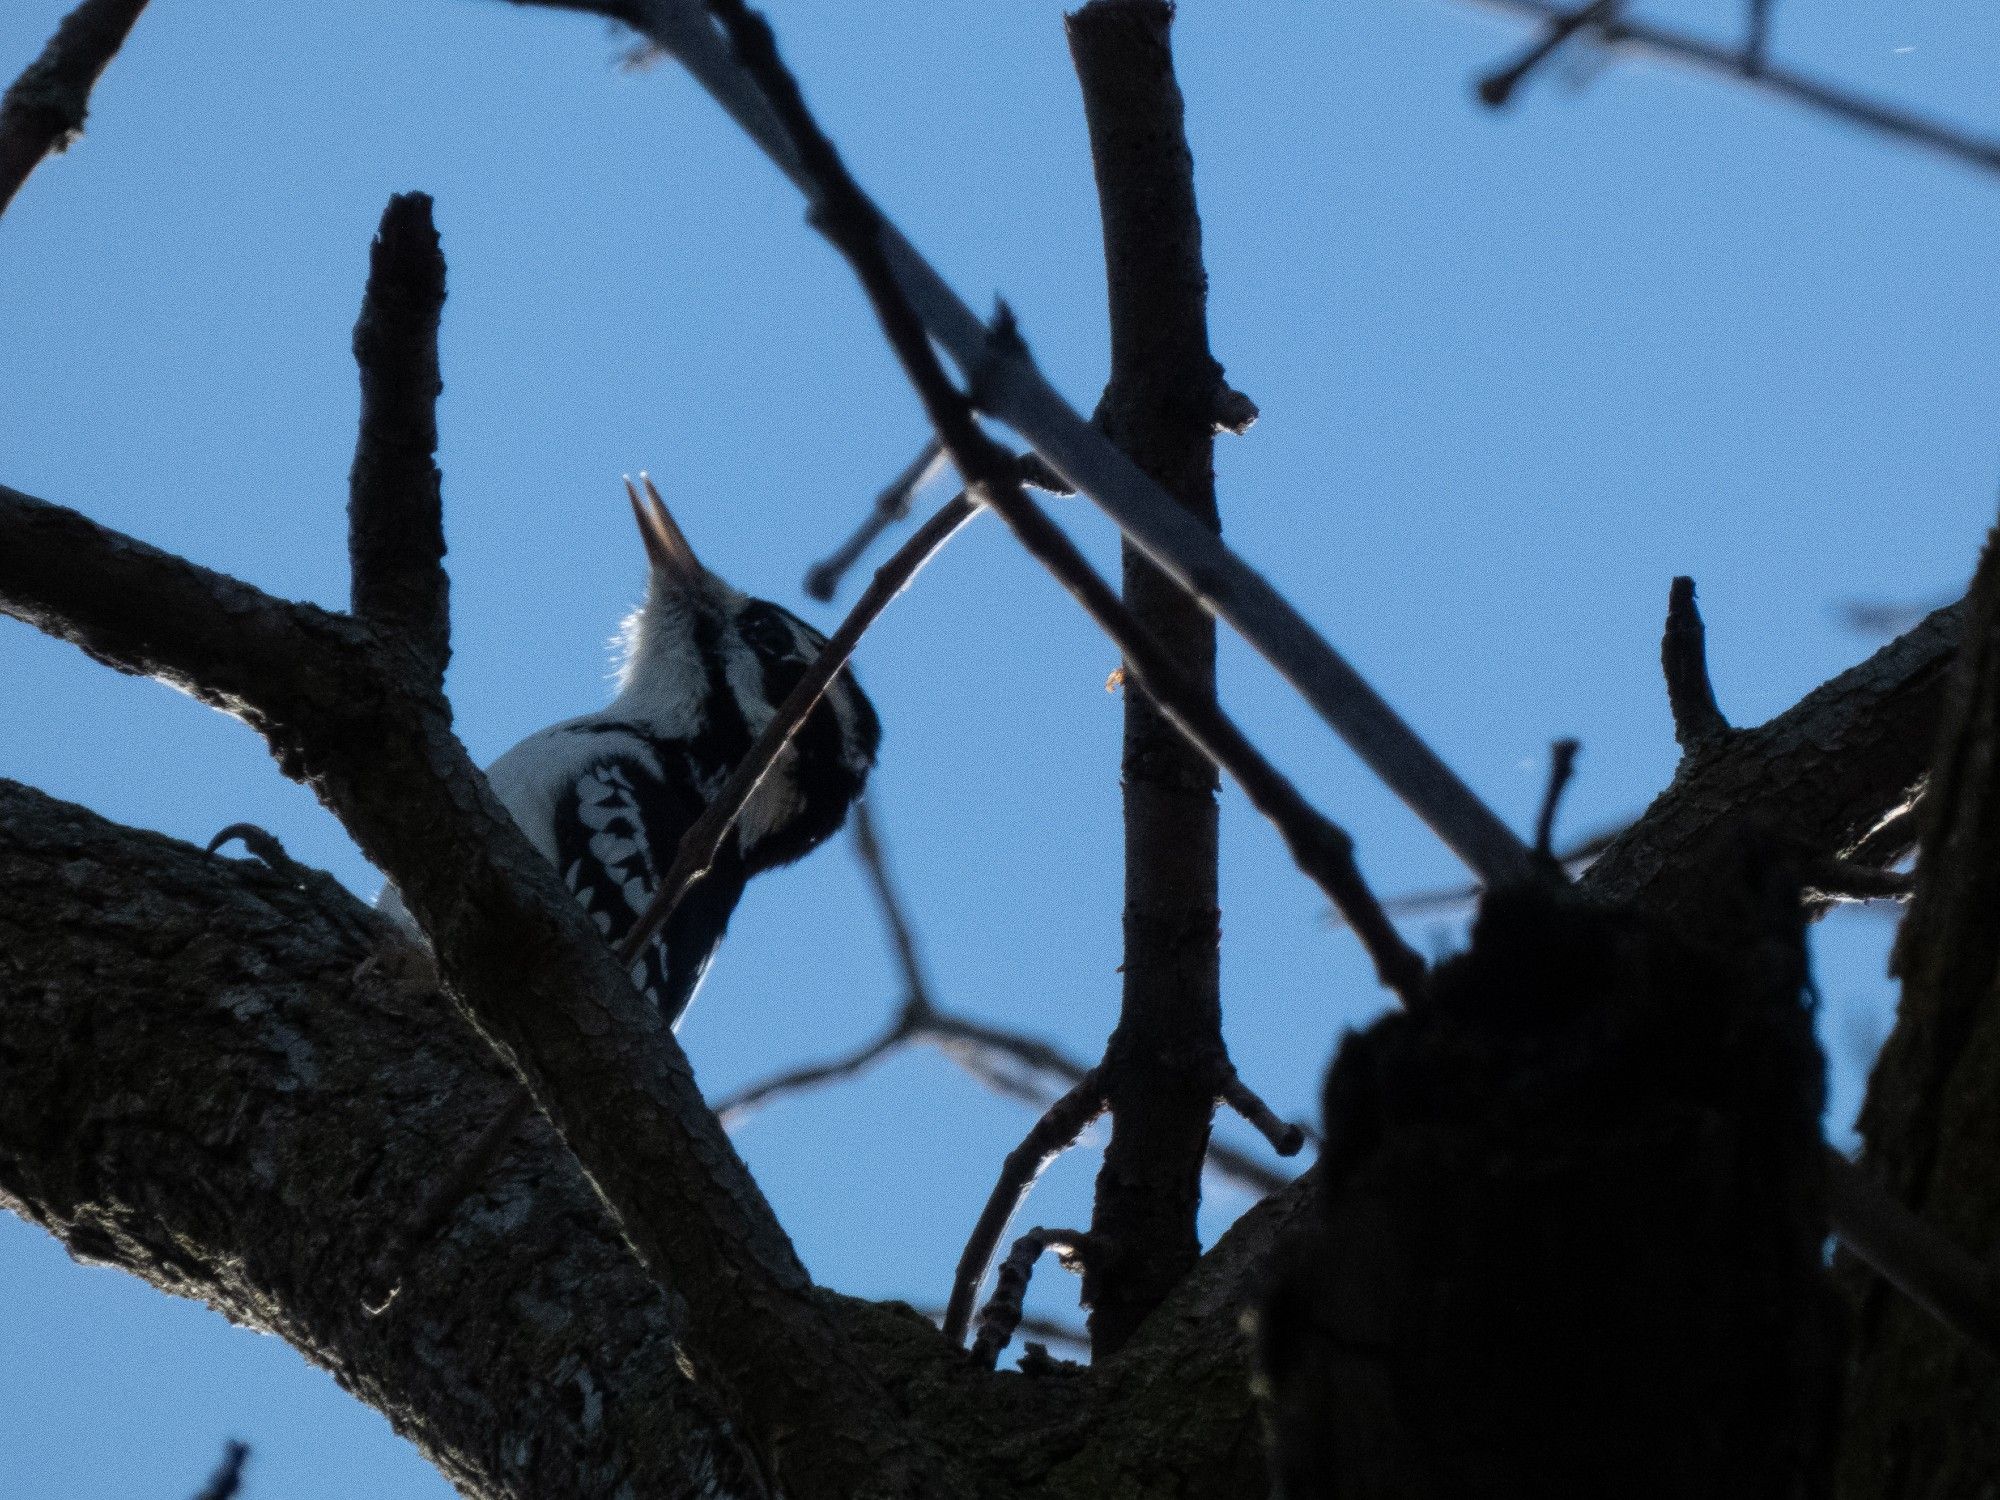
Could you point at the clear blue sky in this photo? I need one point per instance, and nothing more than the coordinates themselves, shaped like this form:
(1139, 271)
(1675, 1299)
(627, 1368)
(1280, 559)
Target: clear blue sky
(1516, 372)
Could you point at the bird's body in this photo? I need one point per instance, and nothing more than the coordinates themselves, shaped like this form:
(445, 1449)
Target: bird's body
(606, 797)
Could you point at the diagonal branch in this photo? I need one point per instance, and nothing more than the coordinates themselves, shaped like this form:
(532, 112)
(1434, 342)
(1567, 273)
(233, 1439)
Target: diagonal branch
(43, 112)
(1009, 387)
(847, 217)
(1748, 65)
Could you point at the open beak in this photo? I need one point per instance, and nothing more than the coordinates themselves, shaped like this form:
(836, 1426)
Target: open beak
(665, 546)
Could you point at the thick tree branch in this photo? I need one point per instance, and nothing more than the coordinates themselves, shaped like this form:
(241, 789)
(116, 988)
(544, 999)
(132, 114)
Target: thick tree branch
(43, 111)
(395, 505)
(1161, 1064)
(217, 1079)
(341, 709)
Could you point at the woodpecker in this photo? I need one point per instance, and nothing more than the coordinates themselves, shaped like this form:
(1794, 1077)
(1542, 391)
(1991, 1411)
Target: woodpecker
(607, 797)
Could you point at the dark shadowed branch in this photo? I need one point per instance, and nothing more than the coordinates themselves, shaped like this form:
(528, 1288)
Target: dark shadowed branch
(1164, 1055)
(823, 577)
(1562, 765)
(1618, 31)
(395, 505)
(43, 111)
(1011, 1063)
(1002, 1313)
(1698, 722)
(1054, 1133)
(227, 1479)
(1496, 89)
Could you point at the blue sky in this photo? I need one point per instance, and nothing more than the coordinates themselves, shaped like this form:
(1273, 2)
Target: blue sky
(1516, 372)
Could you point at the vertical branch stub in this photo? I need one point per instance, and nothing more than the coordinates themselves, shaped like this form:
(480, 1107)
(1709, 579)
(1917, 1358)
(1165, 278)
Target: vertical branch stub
(1684, 661)
(395, 507)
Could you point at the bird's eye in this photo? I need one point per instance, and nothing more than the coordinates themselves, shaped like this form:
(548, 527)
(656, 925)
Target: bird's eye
(765, 633)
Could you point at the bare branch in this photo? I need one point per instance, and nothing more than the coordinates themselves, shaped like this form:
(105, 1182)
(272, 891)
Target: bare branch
(1620, 33)
(1838, 880)
(1008, 386)
(1497, 87)
(395, 507)
(1286, 1139)
(1562, 765)
(1011, 1063)
(1698, 723)
(851, 222)
(43, 112)
(699, 844)
(228, 1476)
(1002, 1313)
(1053, 1134)
(1160, 1064)
(823, 577)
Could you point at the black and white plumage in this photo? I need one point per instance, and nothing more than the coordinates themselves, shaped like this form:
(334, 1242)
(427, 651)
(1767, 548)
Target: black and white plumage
(607, 797)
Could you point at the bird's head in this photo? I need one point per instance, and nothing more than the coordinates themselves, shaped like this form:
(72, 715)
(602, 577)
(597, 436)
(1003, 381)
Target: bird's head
(705, 662)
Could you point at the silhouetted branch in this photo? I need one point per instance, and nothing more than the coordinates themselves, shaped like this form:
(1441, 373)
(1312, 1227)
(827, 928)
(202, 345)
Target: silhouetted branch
(1562, 765)
(847, 217)
(823, 577)
(227, 1479)
(1002, 1313)
(1007, 385)
(1684, 661)
(1848, 880)
(1051, 1135)
(1286, 1139)
(1497, 87)
(395, 507)
(1011, 1063)
(1621, 33)
(43, 111)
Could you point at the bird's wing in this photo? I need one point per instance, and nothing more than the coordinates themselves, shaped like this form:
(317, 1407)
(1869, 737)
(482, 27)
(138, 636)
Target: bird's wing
(616, 825)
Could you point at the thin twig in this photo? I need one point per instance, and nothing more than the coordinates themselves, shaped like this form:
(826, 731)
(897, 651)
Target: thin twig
(699, 844)
(823, 577)
(1498, 87)
(1756, 36)
(1848, 880)
(1747, 66)
(1286, 1139)
(1562, 765)
(1698, 722)
(43, 112)
(1010, 387)
(1054, 1133)
(227, 1479)
(1002, 1313)
(395, 507)
(1011, 1063)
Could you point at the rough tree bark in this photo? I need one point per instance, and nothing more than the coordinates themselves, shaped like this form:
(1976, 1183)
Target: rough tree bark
(216, 1080)
(1921, 1420)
